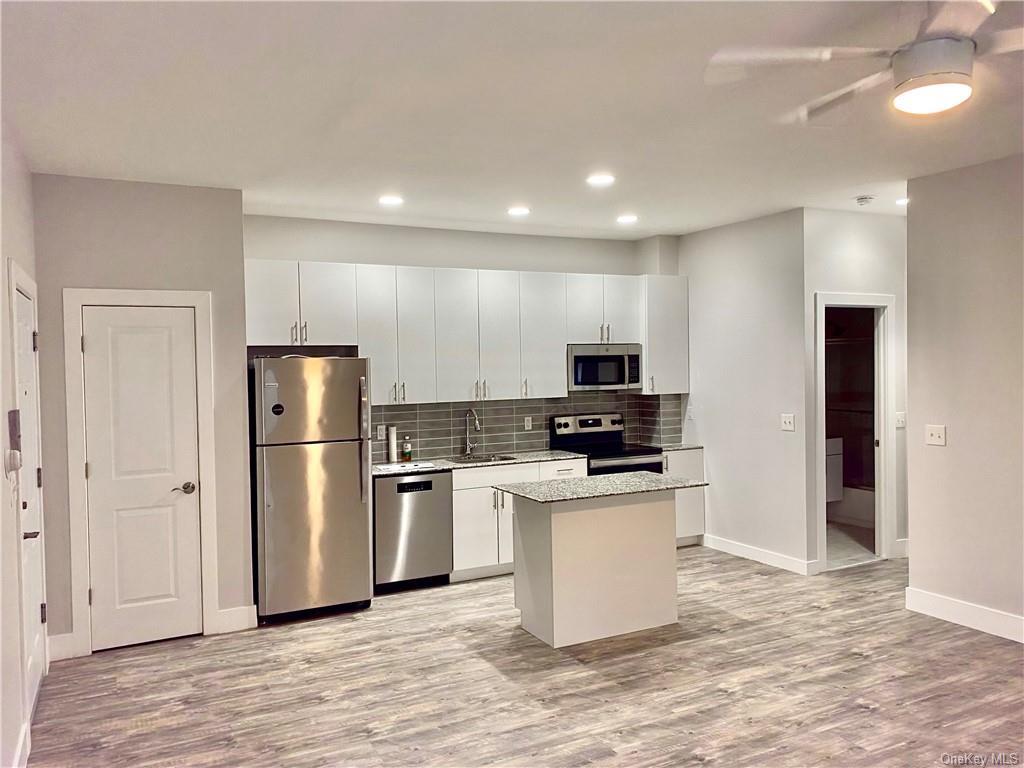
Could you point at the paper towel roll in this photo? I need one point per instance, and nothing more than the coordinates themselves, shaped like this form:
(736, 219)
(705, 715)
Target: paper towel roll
(392, 444)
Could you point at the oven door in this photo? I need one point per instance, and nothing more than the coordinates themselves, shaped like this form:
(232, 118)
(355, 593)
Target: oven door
(614, 465)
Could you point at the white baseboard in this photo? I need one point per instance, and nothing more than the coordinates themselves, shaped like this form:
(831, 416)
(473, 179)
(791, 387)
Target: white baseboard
(66, 646)
(24, 745)
(231, 620)
(900, 548)
(980, 617)
(766, 556)
(689, 541)
(483, 572)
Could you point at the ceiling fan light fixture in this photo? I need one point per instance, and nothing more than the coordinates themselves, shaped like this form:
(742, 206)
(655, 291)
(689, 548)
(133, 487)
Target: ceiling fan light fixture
(933, 75)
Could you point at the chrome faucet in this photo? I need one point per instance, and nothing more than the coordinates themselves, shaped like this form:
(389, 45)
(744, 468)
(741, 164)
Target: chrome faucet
(470, 446)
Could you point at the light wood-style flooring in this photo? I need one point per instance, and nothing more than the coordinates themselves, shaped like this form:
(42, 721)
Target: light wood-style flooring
(764, 668)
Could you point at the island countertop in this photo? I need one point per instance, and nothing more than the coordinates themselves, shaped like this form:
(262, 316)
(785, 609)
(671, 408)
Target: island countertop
(597, 486)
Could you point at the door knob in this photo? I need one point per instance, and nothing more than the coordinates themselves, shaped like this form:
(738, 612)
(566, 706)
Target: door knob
(186, 488)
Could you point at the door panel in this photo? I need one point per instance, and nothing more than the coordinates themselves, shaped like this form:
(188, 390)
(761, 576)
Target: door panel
(378, 329)
(32, 579)
(314, 526)
(474, 529)
(271, 302)
(622, 308)
(328, 302)
(499, 335)
(542, 317)
(457, 327)
(417, 351)
(666, 338)
(142, 445)
(584, 300)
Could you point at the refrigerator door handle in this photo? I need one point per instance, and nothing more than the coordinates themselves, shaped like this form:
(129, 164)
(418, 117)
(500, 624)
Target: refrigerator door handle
(364, 410)
(364, 469)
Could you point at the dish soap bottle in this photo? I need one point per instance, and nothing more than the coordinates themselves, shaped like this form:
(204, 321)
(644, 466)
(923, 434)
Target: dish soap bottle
(406, 448)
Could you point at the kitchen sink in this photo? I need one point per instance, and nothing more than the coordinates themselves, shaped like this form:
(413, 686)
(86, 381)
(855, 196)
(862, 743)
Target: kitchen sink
(482, 458)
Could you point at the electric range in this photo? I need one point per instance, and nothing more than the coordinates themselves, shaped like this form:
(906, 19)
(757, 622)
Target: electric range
(599, 436)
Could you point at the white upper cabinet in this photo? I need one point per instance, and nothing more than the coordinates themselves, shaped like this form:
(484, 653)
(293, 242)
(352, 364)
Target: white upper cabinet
(499, 335)
(666, 353)
(585, 309)
(417, 352)
(328, 303)
(271, 302)
(542, 318)
(622, 309)
(377, 304)
(457, 329)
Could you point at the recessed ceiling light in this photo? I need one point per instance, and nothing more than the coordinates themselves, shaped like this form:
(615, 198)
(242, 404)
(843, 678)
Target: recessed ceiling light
(903, 201)
(390, 200)
(518, 210)
(601, 179)
(627, 218)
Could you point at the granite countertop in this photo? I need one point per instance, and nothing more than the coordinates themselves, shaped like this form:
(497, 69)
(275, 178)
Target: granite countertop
(597, 486)
(446, 465)
(675, 445)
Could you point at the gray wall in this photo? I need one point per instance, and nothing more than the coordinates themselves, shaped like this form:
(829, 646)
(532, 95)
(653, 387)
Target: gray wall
(747, 367)
(966, 351)
(271, 237)
(16, 244)
(853, 252)
(92, 233)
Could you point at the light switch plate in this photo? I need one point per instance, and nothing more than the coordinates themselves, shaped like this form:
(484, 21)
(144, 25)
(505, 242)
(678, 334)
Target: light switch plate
(528, 423)
(788, 422)
(935, 434)
(382, 431)
(901, 420)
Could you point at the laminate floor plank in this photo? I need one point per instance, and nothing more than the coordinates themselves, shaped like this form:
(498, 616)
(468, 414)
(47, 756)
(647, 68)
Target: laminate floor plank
(764, 668)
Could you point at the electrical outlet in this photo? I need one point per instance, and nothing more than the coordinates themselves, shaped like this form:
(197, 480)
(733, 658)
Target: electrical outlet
(528, 423)
(382, 431)
(901, 420)
(788, 422)
(935, 434)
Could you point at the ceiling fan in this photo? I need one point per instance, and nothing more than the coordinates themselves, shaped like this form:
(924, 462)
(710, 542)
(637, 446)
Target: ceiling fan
(930, 74)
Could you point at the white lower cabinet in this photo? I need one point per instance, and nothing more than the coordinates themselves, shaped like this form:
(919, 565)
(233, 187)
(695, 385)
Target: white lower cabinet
(688, 464)
(482, 516)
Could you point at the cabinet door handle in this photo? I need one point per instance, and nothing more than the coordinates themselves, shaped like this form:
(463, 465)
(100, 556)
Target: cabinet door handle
(608, 334)
(476, 390)
(494, 499)
(566, 471)
(293, 333)
(403, 391)
(394, 392)
(485, 389)
(305, 332)
(502, 501)
(602, 333)
(526, 387)
(652, 383)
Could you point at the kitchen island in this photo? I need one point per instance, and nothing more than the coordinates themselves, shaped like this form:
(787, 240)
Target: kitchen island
(595, 556)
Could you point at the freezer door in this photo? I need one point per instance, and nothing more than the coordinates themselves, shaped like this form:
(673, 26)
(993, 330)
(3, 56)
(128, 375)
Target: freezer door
(313, 526)
(311, 399)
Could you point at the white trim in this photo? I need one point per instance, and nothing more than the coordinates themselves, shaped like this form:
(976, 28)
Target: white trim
(885, 414)
(24, 746)
(483, 572)
(231, 620)
(689, 541)
(766, 556)
(900, 548)
(74, 300)
(980, 617)
(63, 646)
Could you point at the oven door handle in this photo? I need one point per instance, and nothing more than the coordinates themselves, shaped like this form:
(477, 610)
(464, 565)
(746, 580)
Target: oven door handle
(626, 461)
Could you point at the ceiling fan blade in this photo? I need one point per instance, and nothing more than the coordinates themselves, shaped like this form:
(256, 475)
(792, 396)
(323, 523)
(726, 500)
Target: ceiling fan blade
(956, 17)
(745, 56)
(1001, 41)
(806, 112)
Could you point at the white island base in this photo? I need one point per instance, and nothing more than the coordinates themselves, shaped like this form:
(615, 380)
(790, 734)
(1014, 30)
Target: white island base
(592, 568)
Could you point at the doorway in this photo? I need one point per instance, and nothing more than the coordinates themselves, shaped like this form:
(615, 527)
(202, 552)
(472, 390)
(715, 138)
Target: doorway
(850, 442)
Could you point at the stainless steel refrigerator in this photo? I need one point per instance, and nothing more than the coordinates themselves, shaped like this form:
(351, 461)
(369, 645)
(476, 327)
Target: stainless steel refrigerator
(312, 467)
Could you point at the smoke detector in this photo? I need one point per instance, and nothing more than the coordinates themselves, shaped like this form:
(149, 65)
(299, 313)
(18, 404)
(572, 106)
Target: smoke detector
(864, 199)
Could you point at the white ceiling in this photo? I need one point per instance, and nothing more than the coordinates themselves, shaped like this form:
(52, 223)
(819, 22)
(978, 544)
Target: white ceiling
(316, 109)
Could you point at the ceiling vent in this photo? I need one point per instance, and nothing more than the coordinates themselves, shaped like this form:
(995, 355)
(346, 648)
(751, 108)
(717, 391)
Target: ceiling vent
(864, 199)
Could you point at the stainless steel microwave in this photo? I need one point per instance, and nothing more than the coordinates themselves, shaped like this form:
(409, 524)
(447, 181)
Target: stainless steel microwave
(604, 366)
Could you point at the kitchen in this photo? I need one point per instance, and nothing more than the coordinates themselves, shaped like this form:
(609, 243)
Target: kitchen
(473, 367)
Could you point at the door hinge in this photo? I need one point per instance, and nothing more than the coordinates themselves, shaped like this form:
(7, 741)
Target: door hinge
(35, 341)
(87, 470)
(42, 613)
(83, 343)
(877, 443)
(39, 477)
(90, 595)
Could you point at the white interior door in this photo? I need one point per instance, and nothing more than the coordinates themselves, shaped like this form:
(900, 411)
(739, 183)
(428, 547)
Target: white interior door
(542, 319)
(622, 309)
(584, 296)
(499, 335)
(417, 352)
(142, 449)
(457, 326)
(271, 302)
(32, 577)
(327, 293)
(378, 329)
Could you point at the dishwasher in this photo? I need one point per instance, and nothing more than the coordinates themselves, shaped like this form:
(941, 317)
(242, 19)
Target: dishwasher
(412, 527)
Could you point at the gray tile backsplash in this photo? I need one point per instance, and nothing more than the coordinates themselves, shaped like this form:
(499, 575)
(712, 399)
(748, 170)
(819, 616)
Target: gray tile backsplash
(437, 430)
